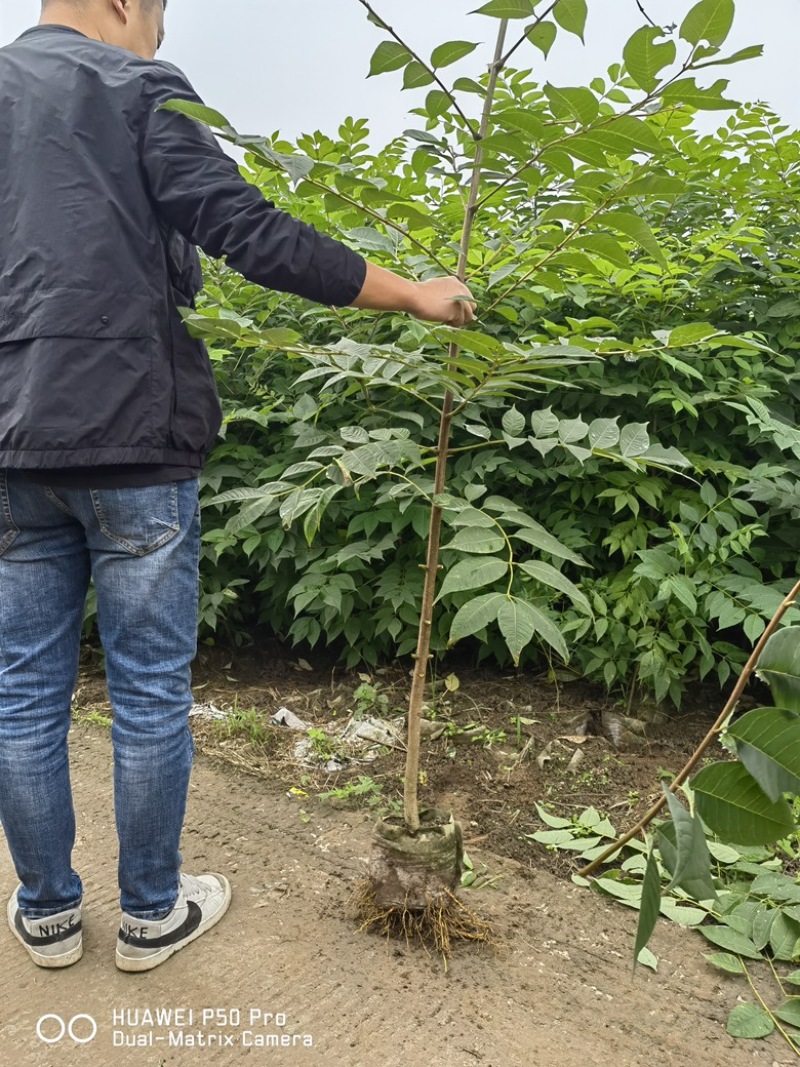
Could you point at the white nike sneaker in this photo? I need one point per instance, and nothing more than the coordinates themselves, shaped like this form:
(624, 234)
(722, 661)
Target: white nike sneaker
(52, 941)
(202, 901)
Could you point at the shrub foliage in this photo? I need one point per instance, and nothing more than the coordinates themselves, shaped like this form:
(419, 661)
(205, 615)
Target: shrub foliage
(624, 478)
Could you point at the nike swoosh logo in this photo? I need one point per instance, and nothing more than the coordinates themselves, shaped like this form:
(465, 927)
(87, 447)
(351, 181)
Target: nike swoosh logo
(194, 917)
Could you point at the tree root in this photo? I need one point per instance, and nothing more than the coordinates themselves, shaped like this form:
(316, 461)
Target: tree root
(437, 925)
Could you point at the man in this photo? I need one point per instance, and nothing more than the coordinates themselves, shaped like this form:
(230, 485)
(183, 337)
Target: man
(107, 410)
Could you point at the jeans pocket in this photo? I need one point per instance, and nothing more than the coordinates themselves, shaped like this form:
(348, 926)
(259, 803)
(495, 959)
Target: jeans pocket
(8, 528)
(139, 520)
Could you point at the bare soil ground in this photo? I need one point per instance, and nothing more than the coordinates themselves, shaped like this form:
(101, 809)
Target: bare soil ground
(288, 978)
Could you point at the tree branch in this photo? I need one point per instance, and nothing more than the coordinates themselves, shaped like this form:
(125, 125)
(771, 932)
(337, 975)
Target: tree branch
(537, 22)
(448, 92)
(640, 5)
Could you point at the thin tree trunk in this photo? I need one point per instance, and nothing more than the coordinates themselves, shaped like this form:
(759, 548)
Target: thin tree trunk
(423, 655)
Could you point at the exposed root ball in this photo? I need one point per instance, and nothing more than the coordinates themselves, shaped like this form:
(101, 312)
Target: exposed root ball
(441, 922)
(411, 870)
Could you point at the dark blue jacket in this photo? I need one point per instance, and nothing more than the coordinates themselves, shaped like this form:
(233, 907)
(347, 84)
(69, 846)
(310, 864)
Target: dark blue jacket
(103, 199)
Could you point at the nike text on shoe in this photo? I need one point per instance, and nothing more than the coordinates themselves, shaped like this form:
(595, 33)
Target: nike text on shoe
(202, 901)
(53, 941)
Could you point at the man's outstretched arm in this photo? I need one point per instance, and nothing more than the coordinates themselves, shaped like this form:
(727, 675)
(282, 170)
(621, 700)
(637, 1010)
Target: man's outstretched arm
(435, 300)
(198, 189)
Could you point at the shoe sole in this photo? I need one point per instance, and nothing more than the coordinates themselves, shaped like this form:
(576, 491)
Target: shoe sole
(147, 963)
(64, 959)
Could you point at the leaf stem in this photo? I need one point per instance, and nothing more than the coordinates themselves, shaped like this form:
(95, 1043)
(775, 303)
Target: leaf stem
(776, 1022)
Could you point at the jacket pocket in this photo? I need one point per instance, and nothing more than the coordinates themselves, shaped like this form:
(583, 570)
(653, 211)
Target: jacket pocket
(84, 313)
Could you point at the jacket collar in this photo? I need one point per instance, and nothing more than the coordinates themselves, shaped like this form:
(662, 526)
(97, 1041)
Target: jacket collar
(54, 26)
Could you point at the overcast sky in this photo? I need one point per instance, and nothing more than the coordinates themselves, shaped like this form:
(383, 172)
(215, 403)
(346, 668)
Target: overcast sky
(300, 65)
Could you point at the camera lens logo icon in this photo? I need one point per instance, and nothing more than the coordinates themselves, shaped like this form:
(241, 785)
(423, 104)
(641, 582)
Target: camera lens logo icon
(52, 1028)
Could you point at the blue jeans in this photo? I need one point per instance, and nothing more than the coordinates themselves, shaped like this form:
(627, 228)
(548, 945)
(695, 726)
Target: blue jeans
(141, 548)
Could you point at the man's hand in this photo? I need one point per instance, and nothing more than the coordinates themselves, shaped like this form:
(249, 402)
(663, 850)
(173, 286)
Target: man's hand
(437, 302)
(432, 301)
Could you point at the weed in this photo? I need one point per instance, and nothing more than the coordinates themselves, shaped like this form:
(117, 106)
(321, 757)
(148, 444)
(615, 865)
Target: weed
(248, 723)
(370, 700)
(323, 746)
(472, 879)
(589, 779)
(477, 733)
(97, 718)
(363, 788)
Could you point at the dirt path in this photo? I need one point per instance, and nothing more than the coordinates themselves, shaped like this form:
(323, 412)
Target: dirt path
(557, 990)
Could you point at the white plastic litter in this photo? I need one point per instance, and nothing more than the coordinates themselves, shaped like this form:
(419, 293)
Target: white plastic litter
(207, 711)
(284, 717)
(357, 741)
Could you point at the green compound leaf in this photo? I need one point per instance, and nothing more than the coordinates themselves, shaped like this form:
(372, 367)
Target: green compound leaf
(517, 626)
(685, 336)
(388, 56)
(748, 1020)
(568, 104)
(647, 959)
(545, 542)
(753, 51)
(204, 114)
(473, 574)
(768, 744)
(476, 539)
(725, 961)
(520, 622)
(556, 822)
(762, 925)
(731, 941)
(650, 906)
(789, 1011)
(416, 76)
(777, 886)
(547, 575)
(779, 667)
(637, 229)
(679, 912)
(451, 52)
(543, 36)
(730, 802)
(783, 938)
(476, 615)
(514, 422)
(687, 91)
(571, 16)
(506, 9)
(644, 58)
(693, 863)
(710, 20)
(604, 433)
(634, 440)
